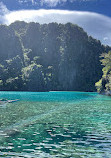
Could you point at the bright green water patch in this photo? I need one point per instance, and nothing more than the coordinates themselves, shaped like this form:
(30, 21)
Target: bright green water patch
(55, 124)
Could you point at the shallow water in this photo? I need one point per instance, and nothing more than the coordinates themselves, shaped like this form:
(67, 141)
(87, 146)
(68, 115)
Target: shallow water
(55, 124)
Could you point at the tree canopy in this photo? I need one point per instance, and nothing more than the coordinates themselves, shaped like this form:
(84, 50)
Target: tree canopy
(104, 84)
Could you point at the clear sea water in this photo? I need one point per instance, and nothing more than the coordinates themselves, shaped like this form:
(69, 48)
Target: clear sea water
(55, 124)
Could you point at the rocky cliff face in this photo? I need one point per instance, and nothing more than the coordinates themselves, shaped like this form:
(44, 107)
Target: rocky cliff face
(50, 57)
(10, 45)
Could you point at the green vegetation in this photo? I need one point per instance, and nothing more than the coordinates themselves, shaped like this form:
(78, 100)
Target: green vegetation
(104, 84)
(46, 57)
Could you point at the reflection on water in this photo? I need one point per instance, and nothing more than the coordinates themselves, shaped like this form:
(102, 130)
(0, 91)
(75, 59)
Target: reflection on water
(55, 124)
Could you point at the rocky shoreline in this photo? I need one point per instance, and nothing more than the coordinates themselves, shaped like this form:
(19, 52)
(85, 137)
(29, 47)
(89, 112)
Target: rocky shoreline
(108, 93)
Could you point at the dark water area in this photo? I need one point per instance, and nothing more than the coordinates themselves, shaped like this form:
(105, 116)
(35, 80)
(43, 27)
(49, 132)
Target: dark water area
(55, 124)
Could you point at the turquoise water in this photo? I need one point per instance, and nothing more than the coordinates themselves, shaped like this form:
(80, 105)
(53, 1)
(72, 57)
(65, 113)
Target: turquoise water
(55, 124)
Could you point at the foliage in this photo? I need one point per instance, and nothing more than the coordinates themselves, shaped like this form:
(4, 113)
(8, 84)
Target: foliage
(104, 84)
(33, 78)
(53, 56)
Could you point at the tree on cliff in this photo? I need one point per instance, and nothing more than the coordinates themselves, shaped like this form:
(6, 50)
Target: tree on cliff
(104, 84)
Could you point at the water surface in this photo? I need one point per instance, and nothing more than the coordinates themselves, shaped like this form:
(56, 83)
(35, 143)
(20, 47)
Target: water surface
(55, 124)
